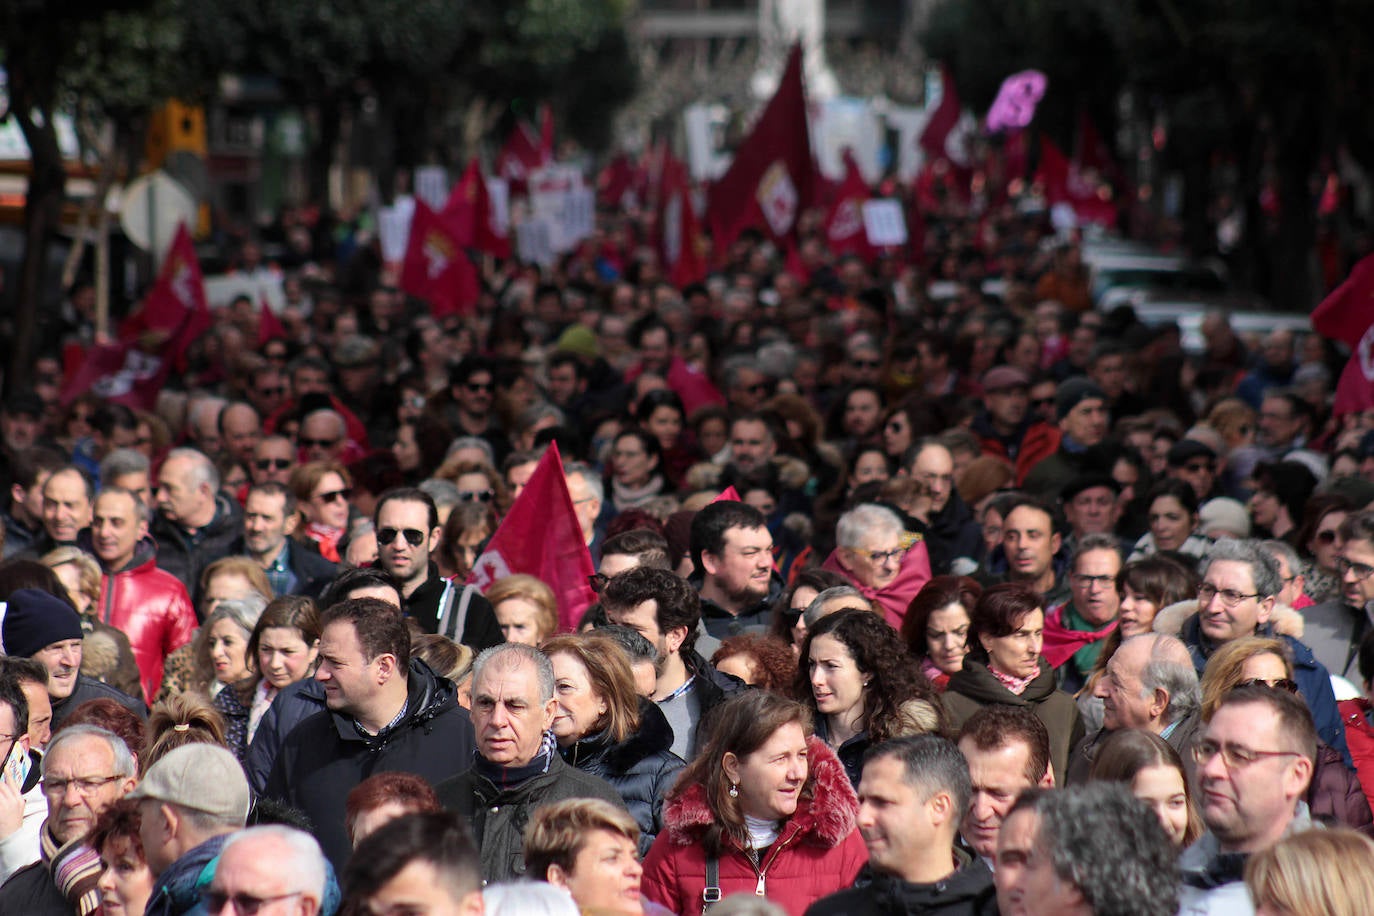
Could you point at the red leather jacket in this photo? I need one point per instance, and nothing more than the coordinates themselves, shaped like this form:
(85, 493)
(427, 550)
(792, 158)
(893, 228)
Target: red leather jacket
(153, 610)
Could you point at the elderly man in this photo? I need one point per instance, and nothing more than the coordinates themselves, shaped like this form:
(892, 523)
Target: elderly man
(912, 797)
(951, 531)
(732, 553)
(195, 524)
(1254, 762)
(879, 558)
(323, 435)
(516, 770)
(279, 867)
(424, 863)
(1149, 683)
(1008, 752)
(189, 802)
(85, 771)
(1089, 851)
(384, 712)
(588, 494)
(240, 428)
(1074, 630)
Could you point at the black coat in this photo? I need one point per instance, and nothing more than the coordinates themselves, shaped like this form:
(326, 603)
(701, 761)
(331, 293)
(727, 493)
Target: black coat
(185, 558)
(642, 768)
(481, 631)
(290, 707)
(325, 756)
(31, 892)
(967, 892)
(88, 688)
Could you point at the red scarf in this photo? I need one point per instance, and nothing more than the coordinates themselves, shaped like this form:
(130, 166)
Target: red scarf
(894, 597)
(1061, 642)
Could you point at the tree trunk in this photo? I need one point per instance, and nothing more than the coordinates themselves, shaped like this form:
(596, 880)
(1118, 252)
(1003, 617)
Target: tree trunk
(42, 213)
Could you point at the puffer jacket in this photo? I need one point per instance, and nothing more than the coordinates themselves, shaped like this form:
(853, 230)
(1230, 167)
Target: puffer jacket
(324, 757)
(967, 892)
(1359, 734)
(152, 608)
(642, 768)
(185, 556)
(1334, 795)
(818, 852)
(974, 687)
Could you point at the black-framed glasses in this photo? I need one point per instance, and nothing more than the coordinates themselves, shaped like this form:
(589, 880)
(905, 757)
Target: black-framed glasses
(317, 443)
(598, 581)
(1234, 756)
(329, 496)
(85, 785)
(1042, 402)
(481, 496)
(244, 904)
(1091, 582)
(1277, 683)
(414, 536)
(1361, 570)
(269, 464)
(1229, 596)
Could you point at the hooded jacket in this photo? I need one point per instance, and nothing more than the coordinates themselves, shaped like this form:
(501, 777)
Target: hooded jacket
(642, 768)
(967, 892)
(185, 556)
(152, 608)
(324, 757)
(974, 686)
(817, 852)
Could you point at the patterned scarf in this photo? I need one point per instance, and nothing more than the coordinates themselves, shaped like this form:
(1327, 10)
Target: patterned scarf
(1016, 685)
(937, 678)
(75, 869)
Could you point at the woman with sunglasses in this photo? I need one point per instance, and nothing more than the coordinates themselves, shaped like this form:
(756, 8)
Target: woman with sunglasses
(322, 491)
(1334, 792)
(1319, 539)
(789, 623)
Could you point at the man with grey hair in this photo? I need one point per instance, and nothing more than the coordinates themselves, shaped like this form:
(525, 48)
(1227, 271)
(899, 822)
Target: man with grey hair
(195, 523)
(952, 532)
(518, 766)
(1290, 572)
(189, 802)
(1240, 584)
(1076, 629)
(129, 470)
(912, 797)
(588, 494)
(323, 435)
(880, 558)
(85, 770)
(280, 866)
(833, 600)
(1149, 683)
(1092, 849)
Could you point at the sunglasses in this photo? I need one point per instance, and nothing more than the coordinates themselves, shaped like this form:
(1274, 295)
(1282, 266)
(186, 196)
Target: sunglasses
(414, 536)
(268, 464)
(244, 904)
(276, 392)
(478, 387)
(1043, 402)
(864, 363)
(317, 443)
(1326, 537)
(481, 496)
(1281, 683)
(330, 496)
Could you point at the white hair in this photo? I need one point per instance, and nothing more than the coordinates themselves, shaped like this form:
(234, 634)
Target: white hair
(867, 519)
(305, 862)
(528, 898)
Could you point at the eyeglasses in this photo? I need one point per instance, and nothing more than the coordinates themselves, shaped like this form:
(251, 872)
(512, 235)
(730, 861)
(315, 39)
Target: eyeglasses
(864, 363)
(85, 785)
(1327, 537)
(317, 443)
(268, 464)
(1234, 756)
(1361, 570)
(481, 496)
(244, 904)
(598, 581)
(274, 391)
(479, 387)
(414, 536)
(880, 556)
(1042, 402)
(330, 496)
(1091, 582)
(1278, 683)
(1229, 596)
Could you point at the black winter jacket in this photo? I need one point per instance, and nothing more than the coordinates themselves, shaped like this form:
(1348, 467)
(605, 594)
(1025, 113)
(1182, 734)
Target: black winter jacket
(967, 892)
(642, 768)
(88, 688)
(481, 631)
(291, 706)
(325, 756)
(185, 557)
(31, 891)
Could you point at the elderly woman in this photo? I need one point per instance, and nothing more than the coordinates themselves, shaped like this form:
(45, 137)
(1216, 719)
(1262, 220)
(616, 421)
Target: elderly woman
(1004, 666)
(862, 688)
(937, 623)
(766, 804)
(220, 652)
(589, 848)
(877, 555)
(605, 728)
(525, 607)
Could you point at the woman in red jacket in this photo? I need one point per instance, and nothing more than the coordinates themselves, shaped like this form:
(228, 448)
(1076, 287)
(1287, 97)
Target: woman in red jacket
(765, 806)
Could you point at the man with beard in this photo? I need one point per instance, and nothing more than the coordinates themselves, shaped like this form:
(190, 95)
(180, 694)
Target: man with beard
(732, 556)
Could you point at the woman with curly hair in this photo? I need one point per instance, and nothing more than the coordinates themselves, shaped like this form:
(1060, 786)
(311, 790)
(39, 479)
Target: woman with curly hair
(862, 687)
(759, 660)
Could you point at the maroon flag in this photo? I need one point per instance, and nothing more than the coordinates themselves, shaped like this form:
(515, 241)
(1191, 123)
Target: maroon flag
(175, 311)
(269, 328)
(520, 157)
(940, 127)
(118, 372)
(844, 224)
(616, 181)
(773, 176)
(682, 244)
(436, 268)
(1347, 315)
(541, 537)
(546, 145)
(469, 213)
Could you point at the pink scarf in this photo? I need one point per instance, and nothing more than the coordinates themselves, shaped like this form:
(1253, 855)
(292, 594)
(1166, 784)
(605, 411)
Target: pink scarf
(1016, 685)
(937, 678)
(894, 597)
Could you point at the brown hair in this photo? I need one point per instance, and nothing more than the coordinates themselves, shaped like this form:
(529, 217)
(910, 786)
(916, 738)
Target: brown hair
(772, 659)
(305, 478)
(936, 595)
(406, 789)
(1223, 671)
(995, 726)
(120, 821)
(181, 719)
(1128, 751)
(558, 831)
(238, 566)
(114, 717)
(445, 657)
(289, 612)
(998, 613)
(533, 590)
(608, 670)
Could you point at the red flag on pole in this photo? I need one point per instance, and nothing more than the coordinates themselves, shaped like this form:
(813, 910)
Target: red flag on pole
(844, 224)
(269, 328)
(519, 157)
(436, 268)
(469, 213)
(541, 537)
(773, 176)
(175, 311)
(1347, 315)
(118, 372)
(682, 243)
(936, 135)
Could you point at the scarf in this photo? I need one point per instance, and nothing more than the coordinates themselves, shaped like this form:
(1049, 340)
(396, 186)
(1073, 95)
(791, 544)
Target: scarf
(75, 869)
(937, 678)
(1016, 685)
(894, 597)
(627, 497)
(327, 537)
(504, 777)
(263, 695)
(1068, 635)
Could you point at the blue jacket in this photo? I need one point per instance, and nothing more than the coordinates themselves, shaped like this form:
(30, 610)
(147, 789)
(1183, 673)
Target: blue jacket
(178, 888)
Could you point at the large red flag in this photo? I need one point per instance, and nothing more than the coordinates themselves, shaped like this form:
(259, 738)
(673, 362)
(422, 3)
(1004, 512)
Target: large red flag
(175, 311)
(682, 244)
(1347, 315)
(940, 127)
(469, 213)
(773, 176)
(541, 537)
(520, 157)
(436, 268)
(118, 372)
(844, 224)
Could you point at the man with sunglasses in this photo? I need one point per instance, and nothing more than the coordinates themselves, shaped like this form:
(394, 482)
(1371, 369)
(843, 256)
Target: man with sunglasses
(1253, 761)
(271, 870)
(407, 524)
(1334, 628)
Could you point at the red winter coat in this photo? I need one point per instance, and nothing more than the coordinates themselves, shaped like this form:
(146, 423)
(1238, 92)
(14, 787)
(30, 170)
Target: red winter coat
(152, 608)
(818, 852)
(1359, 736)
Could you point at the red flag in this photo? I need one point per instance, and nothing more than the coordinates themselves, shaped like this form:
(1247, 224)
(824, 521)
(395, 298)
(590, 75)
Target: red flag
(940, 127)
(470, 215)
(773, 176)
(175, 311)
(1347, 315)
(436, 268)
(728, 495)
(519, 157)
(118, 372)
(844, 224)
(546, 148)
(681, 241)
(269, 328)
(616, 181)
(1053, 171)
(541, 537)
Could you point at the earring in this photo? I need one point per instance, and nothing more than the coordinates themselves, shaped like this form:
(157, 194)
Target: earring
(734, 790)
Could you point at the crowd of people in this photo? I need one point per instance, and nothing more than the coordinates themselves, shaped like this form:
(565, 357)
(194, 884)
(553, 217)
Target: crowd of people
(1015, 606)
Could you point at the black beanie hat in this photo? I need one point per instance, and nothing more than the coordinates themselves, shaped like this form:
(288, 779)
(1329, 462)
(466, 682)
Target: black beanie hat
(34, 619)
